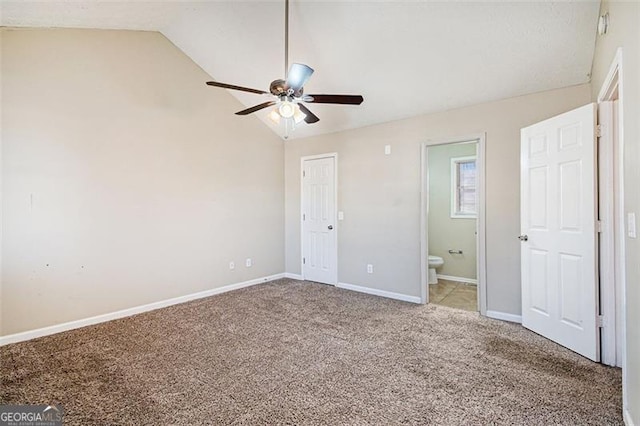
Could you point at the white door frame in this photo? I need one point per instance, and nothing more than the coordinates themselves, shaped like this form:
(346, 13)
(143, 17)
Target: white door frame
(612, 257)
(481, 262)
(336, 228)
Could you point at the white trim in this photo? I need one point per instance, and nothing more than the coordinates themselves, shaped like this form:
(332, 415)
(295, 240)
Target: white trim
(481, 241)
(71, 325)
(453, 170)
(613, 77)
(481, 259)
(293, 276)
(382, 293)
(459, 279)
(607, 235)
(503, 316)
(615, 80)
(336, 228)
(424, 223)
(628, 421)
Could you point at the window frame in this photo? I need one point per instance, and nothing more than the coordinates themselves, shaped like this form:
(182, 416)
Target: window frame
(454, 194)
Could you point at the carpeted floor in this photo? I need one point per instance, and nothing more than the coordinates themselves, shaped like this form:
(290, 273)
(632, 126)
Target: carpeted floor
(291, 352)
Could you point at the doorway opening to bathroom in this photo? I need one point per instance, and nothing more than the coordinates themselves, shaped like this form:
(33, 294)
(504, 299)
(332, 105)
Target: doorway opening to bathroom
(453, 231)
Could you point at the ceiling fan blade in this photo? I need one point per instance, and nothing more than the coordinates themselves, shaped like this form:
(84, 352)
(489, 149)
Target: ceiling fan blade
(298, 76)
(231, 86)
(336, 99)
(310, 117)
(256, 108)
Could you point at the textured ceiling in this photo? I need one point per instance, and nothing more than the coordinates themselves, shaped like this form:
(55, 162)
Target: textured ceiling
(406, 58)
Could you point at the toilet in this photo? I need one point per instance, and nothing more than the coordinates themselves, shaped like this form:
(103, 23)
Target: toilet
(434, 262)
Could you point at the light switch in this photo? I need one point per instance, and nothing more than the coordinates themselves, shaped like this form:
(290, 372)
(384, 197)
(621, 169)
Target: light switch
(340, 215)
(631, 225)
(387, 149)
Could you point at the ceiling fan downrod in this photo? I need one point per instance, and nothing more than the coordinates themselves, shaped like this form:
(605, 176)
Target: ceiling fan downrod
(286, 38)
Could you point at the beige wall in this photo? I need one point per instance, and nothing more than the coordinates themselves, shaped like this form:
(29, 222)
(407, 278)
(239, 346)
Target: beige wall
(447, 233)
(380, 194)
(625, 32)
(126, 180)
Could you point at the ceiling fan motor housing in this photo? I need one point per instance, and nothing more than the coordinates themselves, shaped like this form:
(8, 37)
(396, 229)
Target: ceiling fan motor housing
(278, 87)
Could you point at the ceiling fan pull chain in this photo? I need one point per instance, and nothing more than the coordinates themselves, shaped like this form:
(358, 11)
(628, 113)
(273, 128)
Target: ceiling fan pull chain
(286, 129)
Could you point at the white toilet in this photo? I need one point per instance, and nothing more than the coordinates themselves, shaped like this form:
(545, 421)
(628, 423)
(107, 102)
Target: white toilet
(434, 262)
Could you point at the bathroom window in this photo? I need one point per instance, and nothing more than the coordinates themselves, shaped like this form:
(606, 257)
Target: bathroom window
(463, 187)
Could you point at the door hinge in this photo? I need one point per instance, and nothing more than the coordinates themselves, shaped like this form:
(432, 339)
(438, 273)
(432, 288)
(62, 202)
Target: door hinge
(304, 173)
(600, 321)
(304, 261)
(599, 130)
(599, 226)
(304, 216)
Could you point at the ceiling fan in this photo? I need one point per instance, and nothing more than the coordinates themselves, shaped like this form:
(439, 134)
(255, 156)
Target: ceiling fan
(289, 93)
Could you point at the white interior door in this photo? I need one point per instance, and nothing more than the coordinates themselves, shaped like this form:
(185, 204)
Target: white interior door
(319, 234)
(558, 230)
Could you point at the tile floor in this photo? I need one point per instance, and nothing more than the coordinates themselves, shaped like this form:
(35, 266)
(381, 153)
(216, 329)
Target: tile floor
(454, 295)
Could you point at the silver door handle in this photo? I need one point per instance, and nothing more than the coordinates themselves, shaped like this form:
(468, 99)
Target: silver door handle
(523, 238)
(330, 227)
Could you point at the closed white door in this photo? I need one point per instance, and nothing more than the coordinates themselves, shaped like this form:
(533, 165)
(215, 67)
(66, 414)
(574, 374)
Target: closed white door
(558, 230)
(319, 239)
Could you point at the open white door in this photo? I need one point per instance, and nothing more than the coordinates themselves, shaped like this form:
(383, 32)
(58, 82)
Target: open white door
(558, 230)
(319, 238)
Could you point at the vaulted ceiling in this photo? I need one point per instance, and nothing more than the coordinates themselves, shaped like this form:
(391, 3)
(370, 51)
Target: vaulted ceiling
(405, 57)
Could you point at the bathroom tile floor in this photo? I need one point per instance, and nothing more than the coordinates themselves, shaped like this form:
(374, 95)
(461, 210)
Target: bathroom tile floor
(454, 295)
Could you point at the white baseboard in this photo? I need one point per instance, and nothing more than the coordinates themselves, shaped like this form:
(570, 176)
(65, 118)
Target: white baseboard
(459, 279)
(293, 276)
(383, 293)
(504, 316)
(627, 418)
(58, 328)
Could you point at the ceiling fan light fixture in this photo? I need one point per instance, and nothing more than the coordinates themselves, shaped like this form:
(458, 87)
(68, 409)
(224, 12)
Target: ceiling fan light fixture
(274, 116)
(287, 109)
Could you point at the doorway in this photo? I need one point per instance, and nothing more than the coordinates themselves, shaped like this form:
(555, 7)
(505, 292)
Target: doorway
(453, 223)
(319, 225)
(612, 217)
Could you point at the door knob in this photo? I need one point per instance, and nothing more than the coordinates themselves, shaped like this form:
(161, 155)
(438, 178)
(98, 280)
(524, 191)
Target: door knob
(523, 238)
(330, 227)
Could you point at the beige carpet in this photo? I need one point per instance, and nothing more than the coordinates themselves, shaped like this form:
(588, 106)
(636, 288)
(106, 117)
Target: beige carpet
(292, 352)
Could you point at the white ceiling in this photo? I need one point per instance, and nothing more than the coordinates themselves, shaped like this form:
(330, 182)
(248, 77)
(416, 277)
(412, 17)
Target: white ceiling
(405, 57)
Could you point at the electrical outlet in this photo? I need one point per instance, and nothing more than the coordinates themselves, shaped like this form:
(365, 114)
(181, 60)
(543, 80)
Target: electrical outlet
(387, 150)
(369, 269)
(248, 262)
(232, 265)
(340, 215)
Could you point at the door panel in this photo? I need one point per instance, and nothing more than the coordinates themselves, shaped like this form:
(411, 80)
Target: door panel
(558, 215)
(570, 182)
(538, 197)
(319, 246)
(539, 273)
(570, 279)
